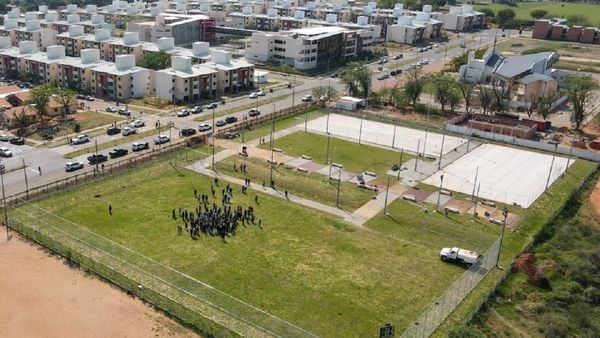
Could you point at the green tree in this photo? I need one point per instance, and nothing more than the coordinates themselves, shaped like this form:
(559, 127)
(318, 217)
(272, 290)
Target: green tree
(454, 99)
(156, 60)
(578, 20)
(488, 12)
(538, 13)
(501, 95)
(455, 63)
(444, 87)
(39, 97)
(467, 90)
(485, 98)
(505, 16)
(21, 121)
(65, 97)
(324, 94)
(356, 76)
(413, 86)
(578, 89)
(545, 103)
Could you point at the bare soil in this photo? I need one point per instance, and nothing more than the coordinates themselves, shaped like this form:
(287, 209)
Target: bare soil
(42, 296)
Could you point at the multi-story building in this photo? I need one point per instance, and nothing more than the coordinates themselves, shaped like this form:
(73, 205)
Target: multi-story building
(306, 48)
(33, 32)
(413, 27)
(461, 19)
(9, 56)
(9, 30)
(233, 75)
(121, 80)
(76, 72)
(184, 29)
(43, 66)
(558, 29)
(184, 82)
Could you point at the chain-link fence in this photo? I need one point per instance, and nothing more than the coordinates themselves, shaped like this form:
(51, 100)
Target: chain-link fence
(431, 319)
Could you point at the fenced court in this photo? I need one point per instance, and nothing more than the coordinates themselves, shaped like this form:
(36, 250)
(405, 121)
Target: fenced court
(387, 135)
(504, 174)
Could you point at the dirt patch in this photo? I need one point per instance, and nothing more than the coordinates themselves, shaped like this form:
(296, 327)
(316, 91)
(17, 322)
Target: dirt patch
(460, 205)
(44, 297)
(526, 264)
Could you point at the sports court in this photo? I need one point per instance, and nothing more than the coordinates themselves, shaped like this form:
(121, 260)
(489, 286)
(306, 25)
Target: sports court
(505, 175)
(383, 134)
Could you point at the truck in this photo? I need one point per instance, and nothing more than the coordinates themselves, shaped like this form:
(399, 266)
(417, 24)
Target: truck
(458, 255)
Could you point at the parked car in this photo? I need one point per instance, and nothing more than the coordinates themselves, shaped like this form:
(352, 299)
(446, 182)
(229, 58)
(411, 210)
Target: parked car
(393, 73)
(261, 93)
(80, 97)
(160, 139)
(231, 119)
(111, 109)
(124, 112)
(188, 131)
(128, 131)
(231, 135)
(458, 255)
(4, 138)
(118, 152)
(80, 139)
(211, 105)
(72, 166)
(220, 123)
(399, 56)
(137, 146)
(89, 98)
(204, 127)
(5, 152)
(254, 112)
(196, 110)
(113, 131)
(424, 62)
(183, 113)
(307, 98)
(97, 158)
(137, 124)
(253, 96)
(463, 45)
(19, 141)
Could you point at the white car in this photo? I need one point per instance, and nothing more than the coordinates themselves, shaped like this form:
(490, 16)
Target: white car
(183, 113)
(461, 256)
(80, 139)
(5, 152)
(137, 146)
(307, 98)
(253, 96)
(261, 93)
(127, 131)
(4, 138)
(111, 110)
(204, 127)
(72, 166)
(137, 124)
(160, 139)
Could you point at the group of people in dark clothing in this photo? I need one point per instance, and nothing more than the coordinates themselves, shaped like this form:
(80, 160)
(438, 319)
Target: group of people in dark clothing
(213, 220)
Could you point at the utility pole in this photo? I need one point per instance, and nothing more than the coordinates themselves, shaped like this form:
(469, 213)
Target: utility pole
(327, 153)
(417, 158)
(551, 167)
(441, 151)
(387, 190)
(293, 91)
(505, 214)
(26, 182)
(476, 201)
(360, 130)
(96, 146)
(475, 183)
(400, 163)
(437, 206)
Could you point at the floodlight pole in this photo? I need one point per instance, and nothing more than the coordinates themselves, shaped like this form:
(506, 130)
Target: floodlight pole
(551, 167)
(476, 200)
(330, 160)
(327, 152)
(400, 163)
(417, 158)
(475, 183)
(327, 123)
(360, 130)
(213, 140)
(26, 182)
(437, 206)
(441, 151)
(271, 146)
(394, 137)
(387, 190)
(505, 213)
(337, 198)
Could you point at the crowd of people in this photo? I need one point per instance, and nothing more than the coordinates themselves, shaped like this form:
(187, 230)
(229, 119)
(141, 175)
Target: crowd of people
(214, 220)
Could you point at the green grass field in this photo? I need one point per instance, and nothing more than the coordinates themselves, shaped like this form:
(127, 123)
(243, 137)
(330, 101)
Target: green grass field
(284, 123)
(555, 9)
(355, 157)
(306, 267)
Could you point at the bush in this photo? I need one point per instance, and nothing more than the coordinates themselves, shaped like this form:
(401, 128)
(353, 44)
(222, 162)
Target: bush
(538, 13)
(539, 50)
(465, 331)
(76, 128)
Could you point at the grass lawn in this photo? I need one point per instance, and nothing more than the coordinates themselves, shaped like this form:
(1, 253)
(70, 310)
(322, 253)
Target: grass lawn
(555, 9)
(313, 186)
(86, 120)
(208, 112)
(303, 266)
(283, 123)
(355, 157)
(111, 144)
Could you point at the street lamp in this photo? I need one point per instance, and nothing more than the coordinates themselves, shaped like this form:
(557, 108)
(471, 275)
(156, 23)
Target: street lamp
(213, 139)
(387, 190)
(437, 206)
(551, 167)
(505, 214)
(271, 141)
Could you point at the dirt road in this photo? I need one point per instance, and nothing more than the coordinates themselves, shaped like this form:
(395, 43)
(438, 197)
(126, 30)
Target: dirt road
(43, 297)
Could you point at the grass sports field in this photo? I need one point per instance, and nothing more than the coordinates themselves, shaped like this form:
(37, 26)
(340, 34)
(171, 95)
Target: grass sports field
(555, 9)
(303, 266)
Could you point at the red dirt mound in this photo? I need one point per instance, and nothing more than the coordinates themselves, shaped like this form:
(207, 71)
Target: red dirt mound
(526, 264)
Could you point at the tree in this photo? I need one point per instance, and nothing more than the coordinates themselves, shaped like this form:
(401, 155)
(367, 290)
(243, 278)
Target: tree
(357, 78)
(485, 99)
(578, 20)
(444, 87)
(578, 89)
(545, 103)
(454, 99)
(156, 60)
(505, 16)
(455, 63)
(488, 12)
(65, 97)
(466, 90)
(324, 94)
(538, 13)
(21, 121)
(413, 86)
(39, 97)
(531, 103)
(501, 95)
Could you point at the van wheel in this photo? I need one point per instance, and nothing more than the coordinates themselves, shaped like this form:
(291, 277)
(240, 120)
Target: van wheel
(444, 258)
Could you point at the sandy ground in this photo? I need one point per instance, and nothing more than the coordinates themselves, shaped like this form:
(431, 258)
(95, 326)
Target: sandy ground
(43, 297)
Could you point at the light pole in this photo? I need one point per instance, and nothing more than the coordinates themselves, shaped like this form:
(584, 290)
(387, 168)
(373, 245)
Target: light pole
(387, 190)
(394, 137)
(327, 152)
(271, 140)
(441, 151)
(26, 182)
(293, 91)
(505, 214)
(360, 130)
(417, 157)
(476, 200)
(213, 139)
(243, 126)
(551, 167)
(96, 146)
(475, 182)
(400, 163)
(337, 197)
(437, 206)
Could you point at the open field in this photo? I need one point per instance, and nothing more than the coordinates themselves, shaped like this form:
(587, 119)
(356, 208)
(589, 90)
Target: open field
(312, 186)
(383, 134)
(355, 157)
(284, 123)
(303, 266)
(504, 174)
(555, 9)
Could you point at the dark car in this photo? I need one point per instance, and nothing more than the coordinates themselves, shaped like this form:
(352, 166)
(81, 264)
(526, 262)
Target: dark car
(117, 152)
(17, 141)
(80, 96)
(220, 123)
(188, 131)
(231, 135)
(231, 119)
(97, 158)
(113, 131)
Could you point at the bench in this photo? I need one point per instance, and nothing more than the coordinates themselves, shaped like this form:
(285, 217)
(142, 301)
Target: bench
(452, 210)
(306, 157)
(411, 198)
(302, 170)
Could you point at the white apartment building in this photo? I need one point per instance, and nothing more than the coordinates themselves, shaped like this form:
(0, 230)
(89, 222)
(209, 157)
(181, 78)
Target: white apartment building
(76, 72)
(121, 80)
(184, 82)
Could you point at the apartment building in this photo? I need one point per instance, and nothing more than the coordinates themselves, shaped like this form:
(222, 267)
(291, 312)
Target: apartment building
(461, 19)
(184, 29)
(185, 82)
(33, 32)
(76, 72)
(413, 27)
(9, 30)
(233, 75)
(306, 48)
(558, 29)
(43, 66)
(121, 80)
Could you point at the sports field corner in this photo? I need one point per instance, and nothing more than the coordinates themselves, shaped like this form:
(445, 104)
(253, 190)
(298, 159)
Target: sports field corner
(377, 133)
(504, 174)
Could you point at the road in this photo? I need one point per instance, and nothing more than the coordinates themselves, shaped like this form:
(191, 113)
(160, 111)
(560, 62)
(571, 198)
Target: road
(51, 161)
